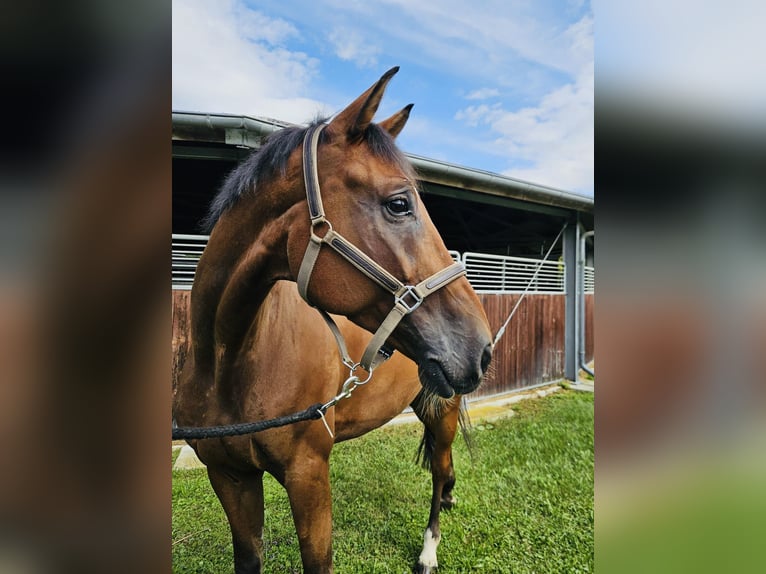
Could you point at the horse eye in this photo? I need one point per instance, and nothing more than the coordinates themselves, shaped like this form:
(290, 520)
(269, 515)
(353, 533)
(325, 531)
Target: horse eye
(398, 206)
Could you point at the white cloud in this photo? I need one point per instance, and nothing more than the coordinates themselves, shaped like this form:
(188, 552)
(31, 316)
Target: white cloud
(550, 142)
(230, 58)
(482, 94)
(484, 38)
(352, 46)
(257, 27)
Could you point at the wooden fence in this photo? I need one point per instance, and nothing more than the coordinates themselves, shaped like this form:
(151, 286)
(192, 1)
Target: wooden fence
(530, 352)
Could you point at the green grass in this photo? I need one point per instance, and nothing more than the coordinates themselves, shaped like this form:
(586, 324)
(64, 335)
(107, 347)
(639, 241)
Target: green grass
(525, 501)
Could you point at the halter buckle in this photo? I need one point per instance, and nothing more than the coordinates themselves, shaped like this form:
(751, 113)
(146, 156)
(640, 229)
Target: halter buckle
(409, 291)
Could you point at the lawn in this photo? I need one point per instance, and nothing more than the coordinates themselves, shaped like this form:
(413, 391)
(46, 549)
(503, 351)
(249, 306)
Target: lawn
(525, 501)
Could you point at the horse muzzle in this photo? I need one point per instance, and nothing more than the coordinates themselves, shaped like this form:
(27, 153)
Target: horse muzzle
(446, 380)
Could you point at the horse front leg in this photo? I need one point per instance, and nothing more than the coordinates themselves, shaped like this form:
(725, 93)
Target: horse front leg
(242, 499)
(442, 432)
(308, 487)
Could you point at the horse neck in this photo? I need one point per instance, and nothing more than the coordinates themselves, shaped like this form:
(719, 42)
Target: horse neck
(245, 256)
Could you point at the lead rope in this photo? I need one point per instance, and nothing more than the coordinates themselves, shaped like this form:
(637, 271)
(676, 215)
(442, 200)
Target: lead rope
(501, 331)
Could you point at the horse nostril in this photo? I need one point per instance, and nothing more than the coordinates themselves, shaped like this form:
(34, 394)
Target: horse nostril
(486, 357)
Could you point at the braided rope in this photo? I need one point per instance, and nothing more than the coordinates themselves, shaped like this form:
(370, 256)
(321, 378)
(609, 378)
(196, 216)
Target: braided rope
(312, 413)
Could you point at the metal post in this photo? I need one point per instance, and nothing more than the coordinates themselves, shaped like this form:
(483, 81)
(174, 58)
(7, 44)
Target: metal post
(571, 330)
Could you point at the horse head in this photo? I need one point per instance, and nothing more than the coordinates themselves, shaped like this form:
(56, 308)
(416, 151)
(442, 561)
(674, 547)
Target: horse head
(370, 196)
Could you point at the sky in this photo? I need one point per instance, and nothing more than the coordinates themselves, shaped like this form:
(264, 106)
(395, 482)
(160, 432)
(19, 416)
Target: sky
(499, 85)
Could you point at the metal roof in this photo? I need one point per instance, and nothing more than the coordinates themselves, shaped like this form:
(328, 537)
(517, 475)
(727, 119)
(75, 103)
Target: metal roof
(228, 134)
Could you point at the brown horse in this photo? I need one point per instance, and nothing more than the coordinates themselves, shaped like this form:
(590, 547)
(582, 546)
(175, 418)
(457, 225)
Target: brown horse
(258, 351)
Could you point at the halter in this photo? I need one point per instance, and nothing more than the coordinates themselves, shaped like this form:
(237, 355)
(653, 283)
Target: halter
(407, 298)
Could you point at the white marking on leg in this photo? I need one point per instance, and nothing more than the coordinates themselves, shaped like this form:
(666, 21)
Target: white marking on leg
(430, 544)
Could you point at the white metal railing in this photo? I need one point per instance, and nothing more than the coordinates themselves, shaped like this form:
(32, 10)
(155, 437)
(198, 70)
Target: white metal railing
(487, 273)
(589, 279)
(501, 274)
(187, 250)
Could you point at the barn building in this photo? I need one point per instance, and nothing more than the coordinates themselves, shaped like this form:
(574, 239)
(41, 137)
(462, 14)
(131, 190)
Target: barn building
(500, 227)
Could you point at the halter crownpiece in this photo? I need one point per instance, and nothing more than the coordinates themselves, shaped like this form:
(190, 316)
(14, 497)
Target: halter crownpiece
(407, 298)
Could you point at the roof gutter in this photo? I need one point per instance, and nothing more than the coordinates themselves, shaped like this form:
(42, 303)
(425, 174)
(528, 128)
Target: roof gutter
(443, 173)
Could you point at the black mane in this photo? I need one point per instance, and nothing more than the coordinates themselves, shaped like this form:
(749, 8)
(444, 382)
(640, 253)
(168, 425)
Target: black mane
(272, 158)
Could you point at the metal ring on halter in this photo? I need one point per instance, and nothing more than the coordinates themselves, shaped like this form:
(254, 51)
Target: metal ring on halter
(316, 223)
(358, 380)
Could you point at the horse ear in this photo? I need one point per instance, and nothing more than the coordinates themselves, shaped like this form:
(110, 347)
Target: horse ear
(395, 123)
(355, 118)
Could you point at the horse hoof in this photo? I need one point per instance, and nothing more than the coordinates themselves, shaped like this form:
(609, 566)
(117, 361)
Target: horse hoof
(448, 502)
(423, 569)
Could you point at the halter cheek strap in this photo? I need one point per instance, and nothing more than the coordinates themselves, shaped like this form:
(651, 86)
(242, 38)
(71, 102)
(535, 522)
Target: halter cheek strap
(407, 298)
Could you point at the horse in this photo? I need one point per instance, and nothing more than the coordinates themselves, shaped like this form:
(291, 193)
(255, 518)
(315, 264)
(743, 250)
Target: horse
(258, 351)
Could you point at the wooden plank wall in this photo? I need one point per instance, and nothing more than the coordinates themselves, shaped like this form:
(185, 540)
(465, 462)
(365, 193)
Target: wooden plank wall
(532, 349)
(530, 352)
